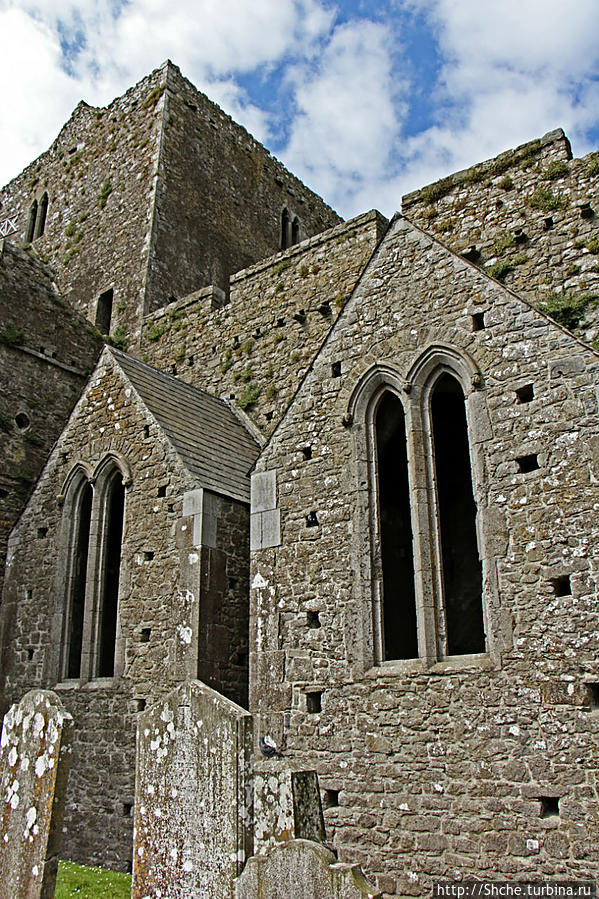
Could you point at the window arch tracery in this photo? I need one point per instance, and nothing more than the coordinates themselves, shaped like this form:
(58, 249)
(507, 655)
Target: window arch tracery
(427, 583)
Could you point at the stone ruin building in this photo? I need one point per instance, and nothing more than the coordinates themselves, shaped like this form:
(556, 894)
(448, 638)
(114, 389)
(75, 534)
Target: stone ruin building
(343, 473)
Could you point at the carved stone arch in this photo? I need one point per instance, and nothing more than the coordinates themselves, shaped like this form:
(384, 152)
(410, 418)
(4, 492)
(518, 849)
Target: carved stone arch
(111, 460)
(436, 359)
(373, 382)
(81, 470)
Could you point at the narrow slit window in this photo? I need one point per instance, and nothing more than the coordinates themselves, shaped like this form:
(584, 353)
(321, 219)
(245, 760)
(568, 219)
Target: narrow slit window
(31, 222)
(295, 230)
(111, 564)
(399, 632)
(104, 311)
(284, 229)
(460, 563)
(40, 224)
(76, 605)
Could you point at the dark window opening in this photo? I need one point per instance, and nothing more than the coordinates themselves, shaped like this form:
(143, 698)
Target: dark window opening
(146, 430)
(113, 535)
(561, 585)
(400, 638)
(307, 452)
(29, 654)
(144, 634)
(549, 806)
(284, 229)
(295, 230)
(461, 566)
(525, 394)
(148, 555)
(547, 223)
(40, 224)
(31, 222)
(336, 370)
(313, 619)
(311, 520)
(330, 799)
(171, 507)
(104, 311)
(478, 321)
(527, 463)
(42, 532)
(314, 702)
(162, 490)
(140, 705)
(83, 512)
(22, 421)
(592, 691)
(127, 809)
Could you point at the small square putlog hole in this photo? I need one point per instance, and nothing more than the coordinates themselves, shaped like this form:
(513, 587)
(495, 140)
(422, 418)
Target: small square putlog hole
(314, 702)
(311, 520)
(561, 585)
(336, 370)
(313, 619)
(127, 809)
(140, 705)
(592, 690)
(549, 806)
(307, 452)
(525, 394)
(144, 634)
(478, 321)
(527, 463)
(330, 799)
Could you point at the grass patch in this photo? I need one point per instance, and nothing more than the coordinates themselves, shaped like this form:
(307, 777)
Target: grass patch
(556, 169)
(90, 883)
(568, 309)
(546, 200)
(12, 335)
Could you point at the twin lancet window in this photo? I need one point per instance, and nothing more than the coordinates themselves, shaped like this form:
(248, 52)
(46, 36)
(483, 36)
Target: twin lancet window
(427, 568)
(95, 514)
(37, 218)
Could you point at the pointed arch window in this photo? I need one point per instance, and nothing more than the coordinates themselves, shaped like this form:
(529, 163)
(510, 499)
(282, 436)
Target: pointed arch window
(94, 514)
(285, 229)
(427, 589)
(31, 222)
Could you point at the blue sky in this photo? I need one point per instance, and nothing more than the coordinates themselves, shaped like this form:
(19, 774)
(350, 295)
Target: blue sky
(362, 100)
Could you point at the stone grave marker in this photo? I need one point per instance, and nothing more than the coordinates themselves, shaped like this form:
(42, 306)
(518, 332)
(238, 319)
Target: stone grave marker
(193, 796)
(35, 754)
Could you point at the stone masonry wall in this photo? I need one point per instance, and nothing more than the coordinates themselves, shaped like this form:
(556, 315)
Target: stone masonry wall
(219, 198)
(257, 348)
(152, 604)
(529, 217)
(474, 766)
(46, 353)
(100, 176)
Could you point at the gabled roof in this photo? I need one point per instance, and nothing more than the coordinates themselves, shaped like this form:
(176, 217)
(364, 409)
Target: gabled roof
(211, 441)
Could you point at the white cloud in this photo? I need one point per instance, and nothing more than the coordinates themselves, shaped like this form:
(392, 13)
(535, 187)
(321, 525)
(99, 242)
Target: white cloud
(111, 47)
(347, 112)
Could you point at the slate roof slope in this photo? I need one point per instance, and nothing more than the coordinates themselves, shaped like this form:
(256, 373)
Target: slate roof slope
(210, 440)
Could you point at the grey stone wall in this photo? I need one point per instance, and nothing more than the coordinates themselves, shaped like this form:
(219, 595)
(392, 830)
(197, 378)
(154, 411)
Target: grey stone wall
(46, 353)
(152, 605)
(219, 198)
(529, 217)
(477, 765)
(257, 348)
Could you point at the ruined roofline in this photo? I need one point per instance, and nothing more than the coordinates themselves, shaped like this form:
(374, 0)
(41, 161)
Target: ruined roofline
(496, 165)
(481, 271)
(167, 75)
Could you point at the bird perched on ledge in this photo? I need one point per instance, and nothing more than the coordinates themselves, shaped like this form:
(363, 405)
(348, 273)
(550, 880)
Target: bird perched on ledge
(268, 748)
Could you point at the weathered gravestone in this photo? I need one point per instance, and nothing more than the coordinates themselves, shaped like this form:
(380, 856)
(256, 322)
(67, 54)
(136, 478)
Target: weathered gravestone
(35, 754)
(193, 796)
(302, 869)
(287, 806)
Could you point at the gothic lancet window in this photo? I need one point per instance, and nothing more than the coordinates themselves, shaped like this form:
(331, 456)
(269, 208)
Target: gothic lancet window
(112, 535)
(460, 562)
(94, 519)
(400, 639)
(77, 579)
(40, 224)
(426, 594)
(31, 222)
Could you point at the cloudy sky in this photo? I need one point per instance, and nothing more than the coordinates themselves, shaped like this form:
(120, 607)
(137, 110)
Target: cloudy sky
(363, 99)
